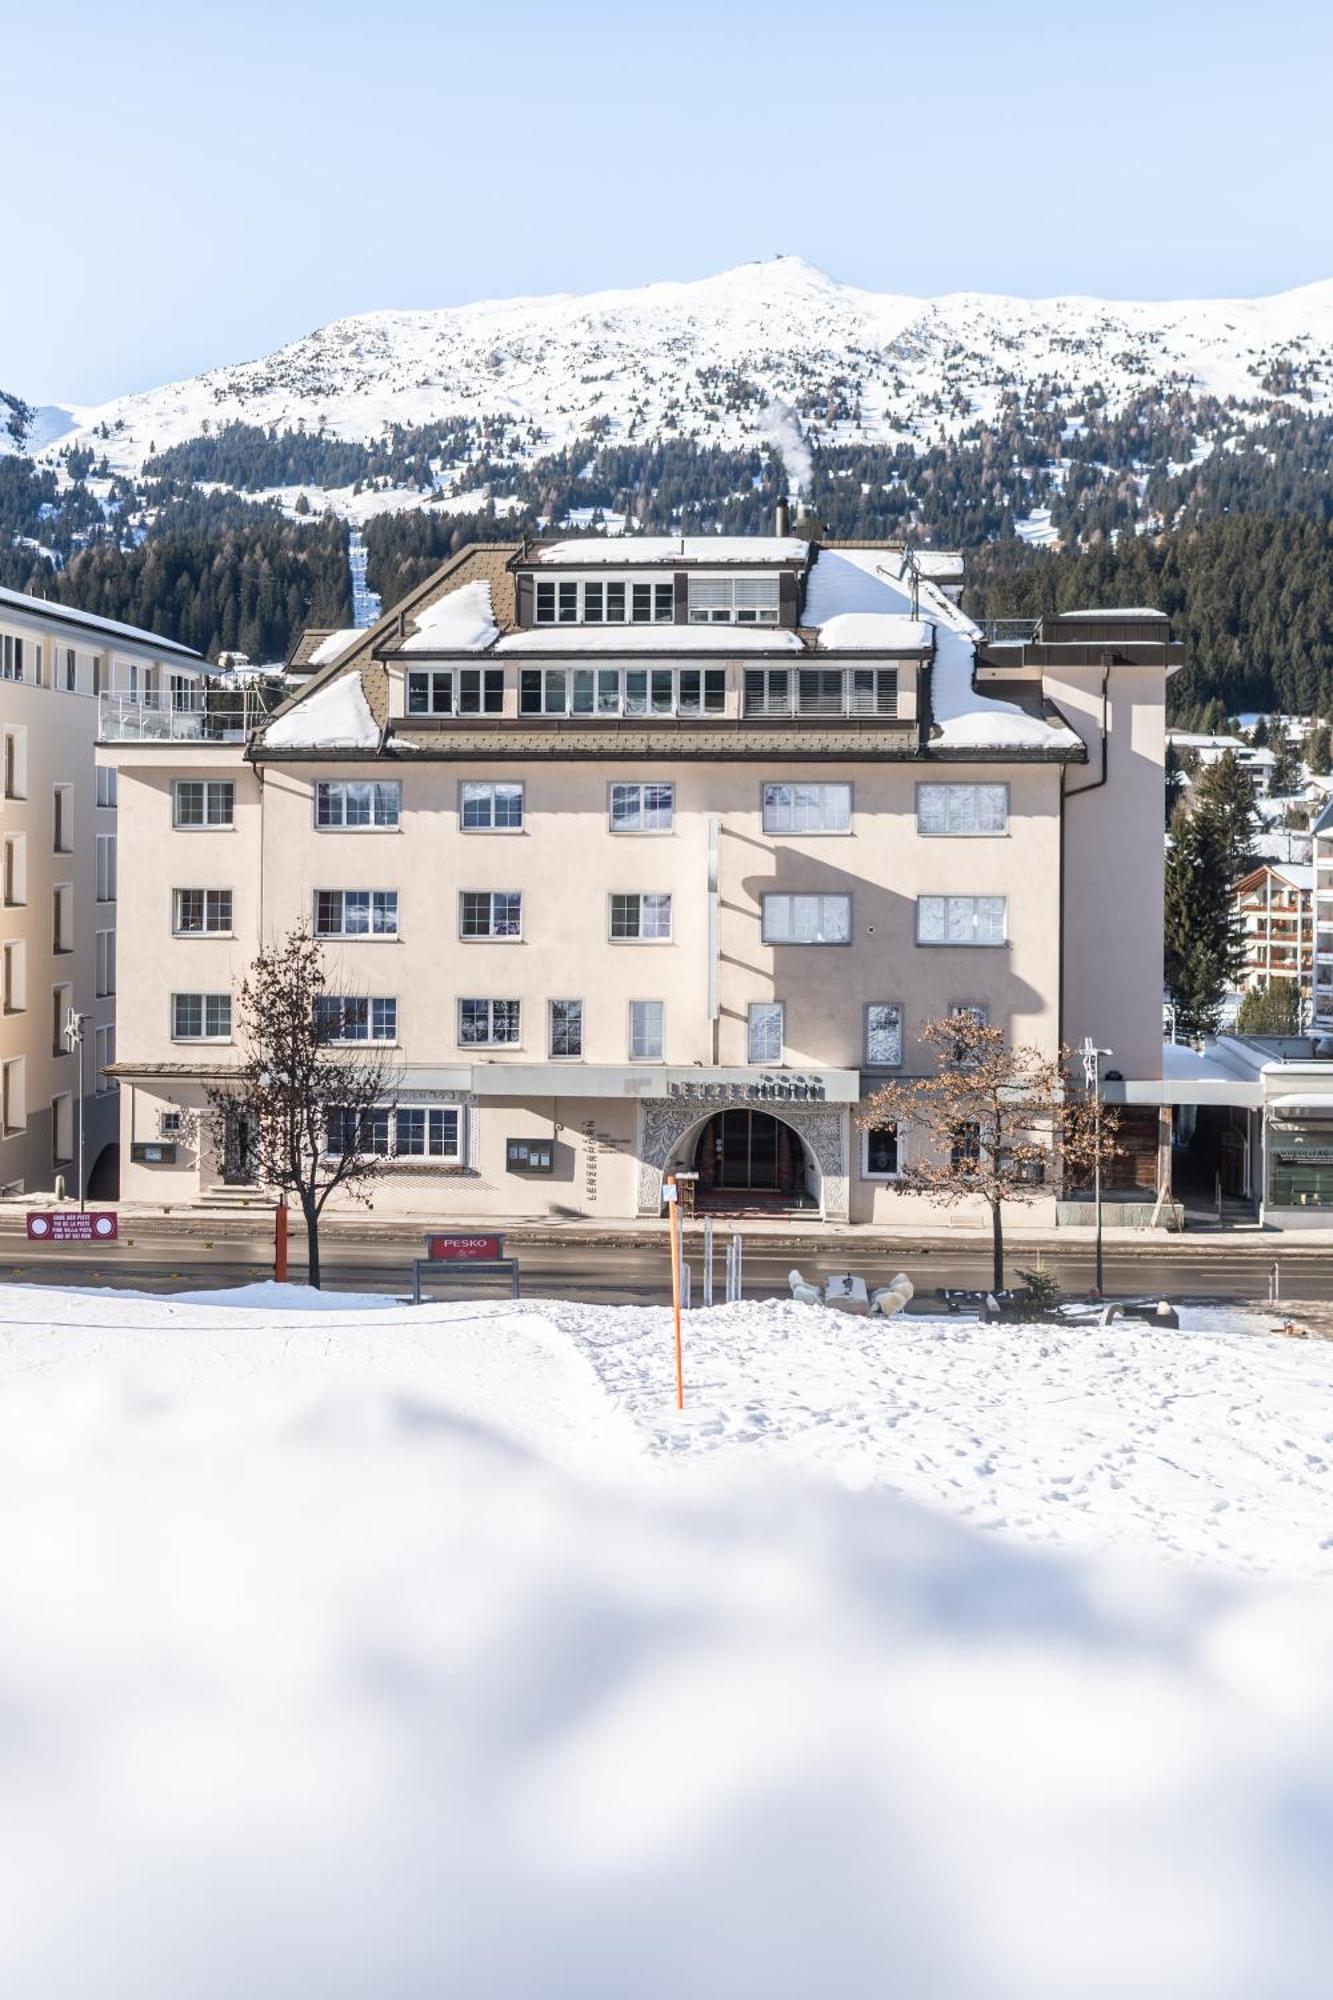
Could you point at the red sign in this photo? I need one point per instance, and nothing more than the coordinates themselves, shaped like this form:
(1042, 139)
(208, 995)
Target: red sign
(465, 1249)
(64, 1225)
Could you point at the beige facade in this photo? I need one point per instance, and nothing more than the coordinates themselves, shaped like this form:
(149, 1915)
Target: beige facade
(58, 883)
(661, 874)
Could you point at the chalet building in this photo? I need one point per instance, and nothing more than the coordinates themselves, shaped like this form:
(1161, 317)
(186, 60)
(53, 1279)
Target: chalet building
(1275, 906)
(60, 667)
(653, 853)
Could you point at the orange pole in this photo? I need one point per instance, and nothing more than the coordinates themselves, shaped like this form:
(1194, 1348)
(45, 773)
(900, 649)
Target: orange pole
(673, 1217)
(280, 1242)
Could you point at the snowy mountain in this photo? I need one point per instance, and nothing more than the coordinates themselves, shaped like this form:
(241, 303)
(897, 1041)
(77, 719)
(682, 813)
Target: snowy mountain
(708, 361)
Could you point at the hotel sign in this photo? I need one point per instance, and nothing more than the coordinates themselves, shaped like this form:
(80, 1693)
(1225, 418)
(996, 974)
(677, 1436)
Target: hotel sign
(774, 1088)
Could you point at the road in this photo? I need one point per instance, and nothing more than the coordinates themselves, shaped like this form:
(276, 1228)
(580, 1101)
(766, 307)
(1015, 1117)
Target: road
(630, 1275)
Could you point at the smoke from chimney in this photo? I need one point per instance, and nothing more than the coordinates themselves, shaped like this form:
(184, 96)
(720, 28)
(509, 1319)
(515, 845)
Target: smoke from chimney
(784, 434)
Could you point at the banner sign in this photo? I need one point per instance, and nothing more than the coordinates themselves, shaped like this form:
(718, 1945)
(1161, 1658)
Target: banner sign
(775, 1089)
(465, 1249)
(60, 1225)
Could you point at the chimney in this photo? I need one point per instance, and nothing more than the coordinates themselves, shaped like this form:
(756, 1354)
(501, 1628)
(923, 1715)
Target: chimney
(782, 521)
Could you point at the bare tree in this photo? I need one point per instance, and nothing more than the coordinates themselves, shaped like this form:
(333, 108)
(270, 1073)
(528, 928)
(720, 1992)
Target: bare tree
(995, 1122)
(313, 1108)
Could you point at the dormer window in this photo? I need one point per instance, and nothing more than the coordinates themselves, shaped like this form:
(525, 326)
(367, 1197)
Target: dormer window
(733, 600)
(604, 601)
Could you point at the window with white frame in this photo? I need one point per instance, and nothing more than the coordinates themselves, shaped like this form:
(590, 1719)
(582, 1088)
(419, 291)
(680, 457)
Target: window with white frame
(62, 918)
(341, 1017)
(105, 952)
(880, 1153)
(16, 762)
(357, 802)
(763, 1040)
(489, 1023)
(566, 1020)
(646, 808)
(104, 1051)
(201, 912)
(640, 919)
(62, 1128)
(13, 1096)
(15, 869)
(456, 691)
(733, 600)
(608, 691)
(806, 919)
(106, 867)
(487, 805)
(108, 790)
(884, 1034)
(14, 973)
(960, 920)
(204, 802)
(353, 913)
(71, 680)
(646, 1023)
(962, 809)
(201, 1017)
(790, 808)
(969, 1010)
(821, 691)
(62, 819)
(11, 657)
(62, 1006)
(395, 1131)
(611, 600)
(490, 913)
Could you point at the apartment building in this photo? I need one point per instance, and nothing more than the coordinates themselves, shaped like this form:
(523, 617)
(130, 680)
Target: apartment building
(651, 854)
(59, 881)
(1275, 906)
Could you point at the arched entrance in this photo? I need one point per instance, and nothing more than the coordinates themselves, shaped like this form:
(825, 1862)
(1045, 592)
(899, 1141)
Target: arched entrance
(748, 1158)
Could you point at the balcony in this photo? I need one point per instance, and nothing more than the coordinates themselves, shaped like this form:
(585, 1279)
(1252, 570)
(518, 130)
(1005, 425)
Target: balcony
(194, 715)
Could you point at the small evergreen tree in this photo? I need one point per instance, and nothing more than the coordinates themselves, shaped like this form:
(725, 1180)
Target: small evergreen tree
(1273, 1007)
(1204, 942)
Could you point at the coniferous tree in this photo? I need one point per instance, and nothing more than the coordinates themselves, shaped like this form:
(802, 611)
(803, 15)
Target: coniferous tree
(1204, 943)
(1226, 791)
(1273, 1007)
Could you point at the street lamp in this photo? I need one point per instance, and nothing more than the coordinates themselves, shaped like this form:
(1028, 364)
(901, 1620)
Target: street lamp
(1092, 1077)
(74, 1039)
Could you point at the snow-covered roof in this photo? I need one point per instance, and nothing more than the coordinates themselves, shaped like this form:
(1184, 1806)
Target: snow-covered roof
(335, 646)
(940, 565)
(874, 632)
(463, 621)
(334, 717)
(638, 551)
(1116, 611)
(728, 640)
(68, 614)
(1189, 739)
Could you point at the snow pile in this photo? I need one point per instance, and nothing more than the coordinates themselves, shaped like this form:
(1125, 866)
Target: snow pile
(461, 622)
(330, 649)
(366, 1653)
(873, 632)
(752, 550)
(334, 717)
(731, 640)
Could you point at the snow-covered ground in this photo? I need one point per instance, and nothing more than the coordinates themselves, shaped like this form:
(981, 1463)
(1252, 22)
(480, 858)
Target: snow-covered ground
(377, 1651)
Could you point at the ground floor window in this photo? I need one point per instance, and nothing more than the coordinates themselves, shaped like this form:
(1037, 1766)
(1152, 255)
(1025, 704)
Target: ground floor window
(1300, 1168)
(401, 1131)
(879, 1153)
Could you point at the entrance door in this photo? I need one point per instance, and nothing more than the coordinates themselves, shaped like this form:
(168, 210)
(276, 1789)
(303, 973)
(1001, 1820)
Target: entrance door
(746, 1150)
(238, 1151)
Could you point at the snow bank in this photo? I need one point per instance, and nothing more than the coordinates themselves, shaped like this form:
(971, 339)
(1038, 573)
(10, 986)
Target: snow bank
(873, 631)
(335, 717)
(461, 622)
(367, 1655)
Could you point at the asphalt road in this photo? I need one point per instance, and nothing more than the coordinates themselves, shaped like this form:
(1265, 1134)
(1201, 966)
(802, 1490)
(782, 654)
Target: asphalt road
(618, 1276)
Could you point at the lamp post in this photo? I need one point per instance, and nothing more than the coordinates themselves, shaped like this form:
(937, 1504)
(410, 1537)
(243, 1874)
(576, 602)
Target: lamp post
(74, 1039)
(1092, 1077)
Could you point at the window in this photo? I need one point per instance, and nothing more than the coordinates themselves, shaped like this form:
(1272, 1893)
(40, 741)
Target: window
(490, 913)
(108, 789)
(645, 1030)
(197, 912)
(645, 919)
(828, 691)
(456, 691)
(965, 1149)
(356, 913)
(106, 964)
(884, 1034)
(488, 1023)
(201, 1017)
(62, 1128)
(62, 918)
(358, 802)
(566, 1027)
(738, 600)
(14, 969)
(71, 680)
(974, 1010)
(807, 919)
(62, 1004)
(11, 657)
(608, 691)
(205, 803)
(879, 1153)
(764, 1032)
(16, 869)
(408, 1131)
(487, 807)
(962, 809)
(642, 808)
(807, 808)
(352, 1018)
(106, 867)
(62, 819)
(104, 1054)
(960, 920)
(16, 763)
(13, 1098)
(603, 601)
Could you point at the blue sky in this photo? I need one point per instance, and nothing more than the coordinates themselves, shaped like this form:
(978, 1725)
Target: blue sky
(190, 186)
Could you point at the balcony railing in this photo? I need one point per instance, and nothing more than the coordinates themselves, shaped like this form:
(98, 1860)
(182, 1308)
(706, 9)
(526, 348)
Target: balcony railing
(1008, 631)
(194, 715)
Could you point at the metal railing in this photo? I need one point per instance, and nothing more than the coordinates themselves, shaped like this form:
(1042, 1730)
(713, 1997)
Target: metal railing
(198, 715)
